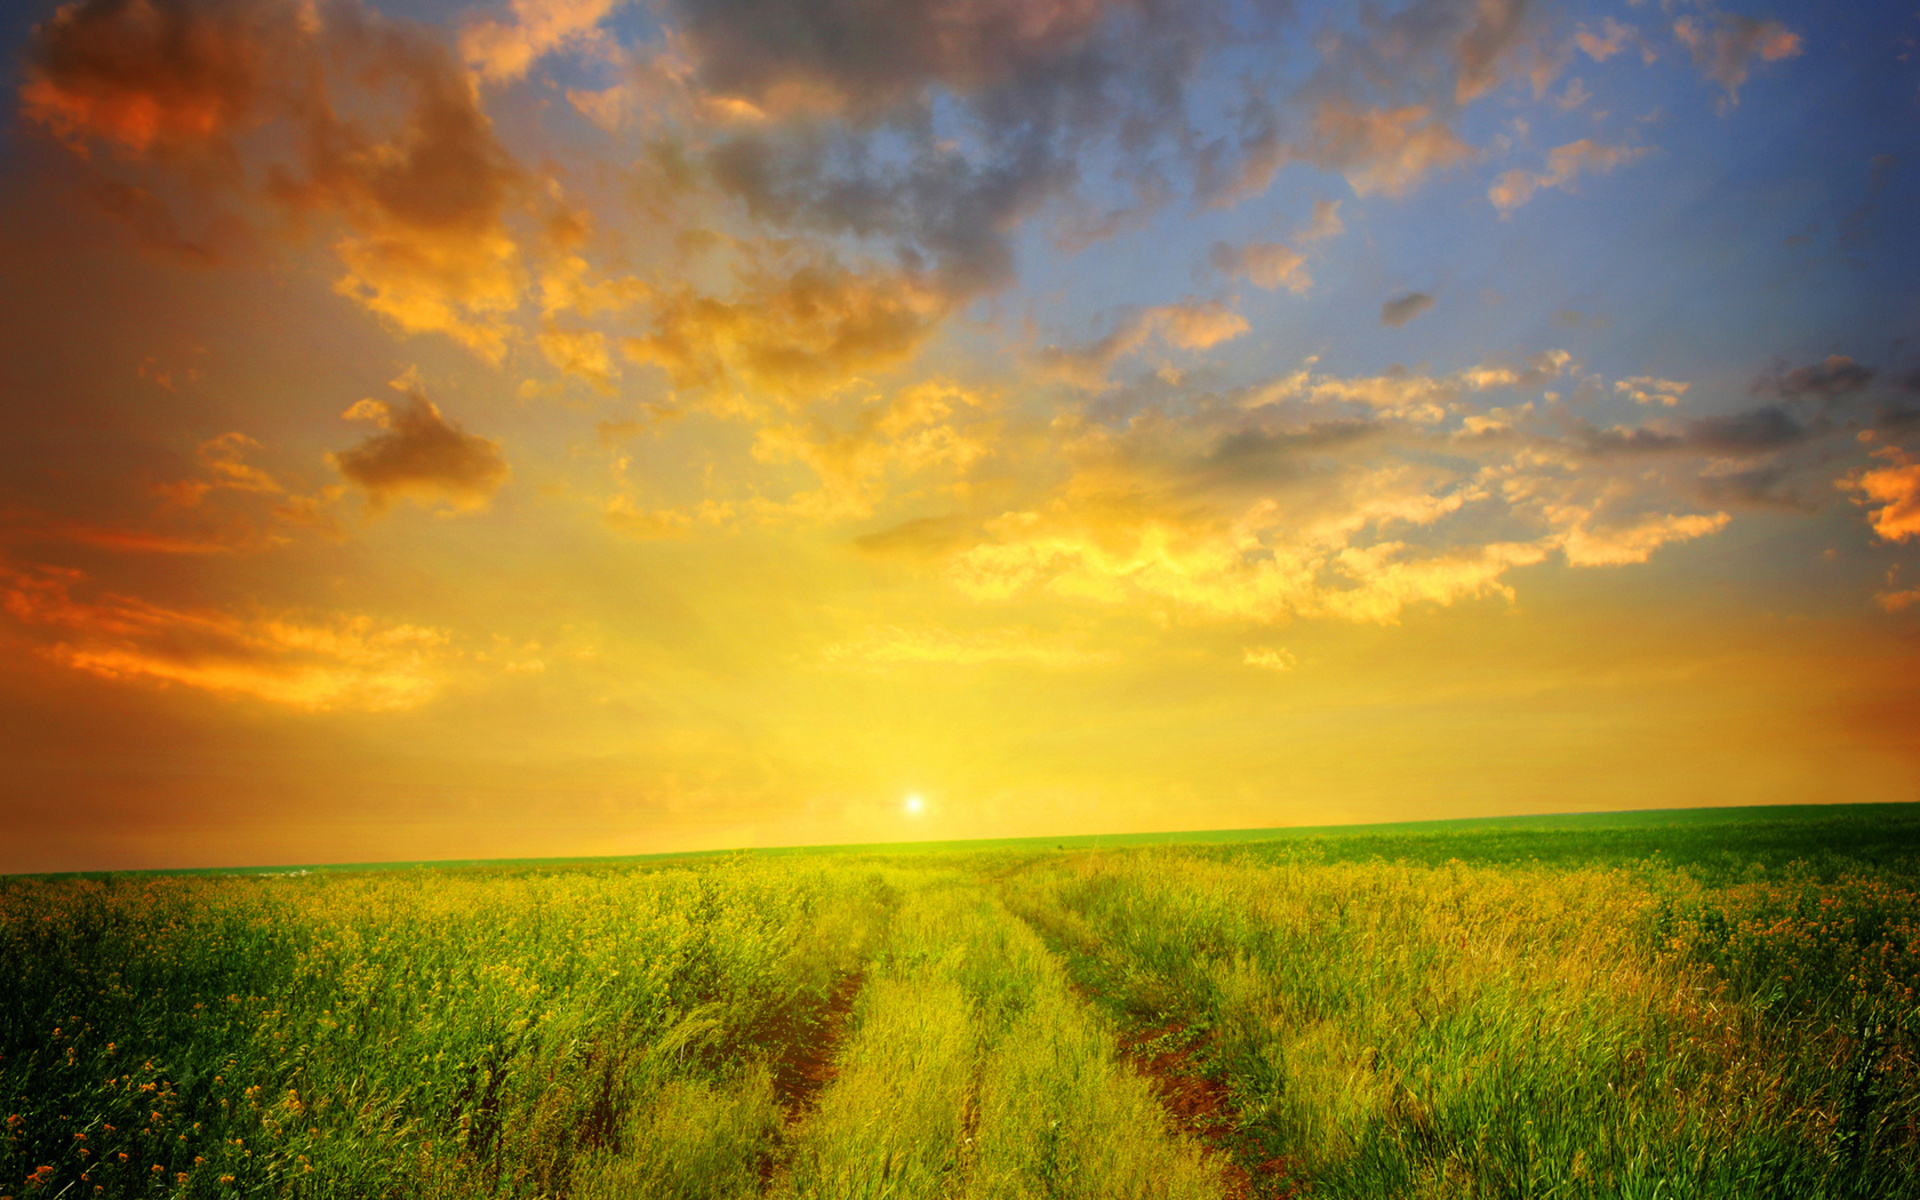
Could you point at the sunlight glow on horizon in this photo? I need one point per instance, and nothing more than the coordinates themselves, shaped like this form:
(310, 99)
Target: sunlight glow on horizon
(473, 428)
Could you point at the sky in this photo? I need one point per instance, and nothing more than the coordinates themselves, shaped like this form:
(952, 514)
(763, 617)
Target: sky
(599, 427)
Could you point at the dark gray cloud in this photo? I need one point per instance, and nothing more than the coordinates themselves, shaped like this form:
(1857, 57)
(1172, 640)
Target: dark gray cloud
(1380, 106)
(1033, 87)
(1760, 487)
(419, 452)
(1266, 453)
(1401, 309)
(1752, 431)
(1830, 379)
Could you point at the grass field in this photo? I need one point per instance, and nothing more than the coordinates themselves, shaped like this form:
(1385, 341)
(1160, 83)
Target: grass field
(1706, 1003)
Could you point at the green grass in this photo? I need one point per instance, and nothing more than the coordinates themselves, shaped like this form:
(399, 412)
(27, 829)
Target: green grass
(1706, 1003)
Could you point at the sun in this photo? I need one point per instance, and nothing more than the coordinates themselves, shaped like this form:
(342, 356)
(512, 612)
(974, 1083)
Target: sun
(914, 804)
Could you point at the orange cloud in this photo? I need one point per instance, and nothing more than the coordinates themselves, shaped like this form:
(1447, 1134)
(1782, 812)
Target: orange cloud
(1896, 488)
(1188, 325)
(155, 78)
(1564, 165)
(501, 51)
(1267, 265)
(412, 170)
(1382, 149)
(1611, 40)
(1726, 46)
(317, 664)
(420, 453)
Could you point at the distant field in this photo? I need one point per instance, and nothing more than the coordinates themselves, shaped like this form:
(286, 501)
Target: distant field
(1700, 1003)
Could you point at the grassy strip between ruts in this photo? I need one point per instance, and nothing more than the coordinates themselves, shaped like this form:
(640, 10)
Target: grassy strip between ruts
(973, 1071)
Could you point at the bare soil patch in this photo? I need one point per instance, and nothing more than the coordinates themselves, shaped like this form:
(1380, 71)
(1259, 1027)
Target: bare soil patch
(807, 1042)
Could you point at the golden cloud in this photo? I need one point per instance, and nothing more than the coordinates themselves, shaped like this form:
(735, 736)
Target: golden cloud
(1645, 389)
(581, 352)
(786, 334)
(910, 433)
(1725, 46)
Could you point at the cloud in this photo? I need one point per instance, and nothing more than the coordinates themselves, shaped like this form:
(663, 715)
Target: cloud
(24, 527)
(1267, 265)
(1896, 488)
(420, 453)
(1385, 150)
(1564, 165)
(1726, 46)
(1325, 224)
(1408, 395)
(1227, 570)
(1188, 325)
(1611, 40)
(1897, 601)
(841, 57)
(1379, 107)
(501, 51)
(581, 352)
(1262, 505)
(1645, 389)
(1269, 658)
(1631, 542)
(385, 136)
(156, 77)
(1749, 432)
(1273, 265)
(1831, 379)
(625, 515)
(1403, 308)
(307, 662)
(912, 433)
(784, 334)
(785, 102)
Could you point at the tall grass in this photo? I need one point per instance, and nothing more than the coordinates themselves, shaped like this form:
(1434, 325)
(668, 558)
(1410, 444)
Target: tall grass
(1386, 1024)
(1462, 1031)
(386, 1034)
